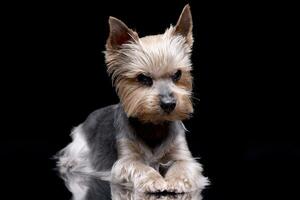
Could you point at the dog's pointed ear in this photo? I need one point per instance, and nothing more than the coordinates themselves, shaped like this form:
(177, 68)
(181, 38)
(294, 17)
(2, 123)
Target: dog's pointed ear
(119, 34)
(184, 25)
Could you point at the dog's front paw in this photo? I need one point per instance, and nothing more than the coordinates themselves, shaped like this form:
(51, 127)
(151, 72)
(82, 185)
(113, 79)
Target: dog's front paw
(178, 184)
(151, 184)
(182, 183)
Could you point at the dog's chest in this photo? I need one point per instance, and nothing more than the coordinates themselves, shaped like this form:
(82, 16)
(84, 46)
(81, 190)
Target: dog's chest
(152, 135)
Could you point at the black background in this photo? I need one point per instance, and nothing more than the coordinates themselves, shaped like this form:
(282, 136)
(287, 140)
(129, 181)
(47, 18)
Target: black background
(244, 124)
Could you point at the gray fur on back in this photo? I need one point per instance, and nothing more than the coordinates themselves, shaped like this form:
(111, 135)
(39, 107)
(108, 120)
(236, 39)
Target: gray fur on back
(100, 133)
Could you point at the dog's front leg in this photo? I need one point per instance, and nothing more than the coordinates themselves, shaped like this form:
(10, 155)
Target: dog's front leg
(131, 169)
(185, 174)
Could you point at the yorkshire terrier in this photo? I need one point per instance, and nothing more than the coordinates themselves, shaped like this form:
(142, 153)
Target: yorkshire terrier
(141, 141)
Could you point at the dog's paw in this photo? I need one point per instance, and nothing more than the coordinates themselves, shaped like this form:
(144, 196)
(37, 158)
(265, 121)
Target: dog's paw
(151, 184)
(178, 184)
(183, 184)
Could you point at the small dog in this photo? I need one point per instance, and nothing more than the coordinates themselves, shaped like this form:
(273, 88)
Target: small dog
(140, 141)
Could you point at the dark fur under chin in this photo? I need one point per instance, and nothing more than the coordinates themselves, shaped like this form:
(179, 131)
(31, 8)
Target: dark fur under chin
(151, 134)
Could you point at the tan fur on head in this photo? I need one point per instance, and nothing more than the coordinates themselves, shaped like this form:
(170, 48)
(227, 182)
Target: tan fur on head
(157, 56)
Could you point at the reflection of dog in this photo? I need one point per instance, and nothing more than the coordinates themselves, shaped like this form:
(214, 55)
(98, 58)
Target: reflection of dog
(120, 193)
(141, 141)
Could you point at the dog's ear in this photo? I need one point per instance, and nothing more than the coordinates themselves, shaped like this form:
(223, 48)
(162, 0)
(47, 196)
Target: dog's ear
(184, 25)
(119, 34)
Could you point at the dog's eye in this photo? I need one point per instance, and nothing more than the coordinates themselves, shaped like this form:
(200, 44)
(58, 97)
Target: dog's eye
(176, 76)
(145, 80)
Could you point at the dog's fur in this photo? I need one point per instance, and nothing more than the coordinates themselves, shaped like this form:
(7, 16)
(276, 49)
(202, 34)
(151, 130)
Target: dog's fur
(137, 143)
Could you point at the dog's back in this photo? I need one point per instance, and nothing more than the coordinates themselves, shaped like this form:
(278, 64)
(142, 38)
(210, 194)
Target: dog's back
(92, 152)
(100, 132)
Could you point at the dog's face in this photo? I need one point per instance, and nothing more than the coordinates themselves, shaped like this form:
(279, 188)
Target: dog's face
(152, 74)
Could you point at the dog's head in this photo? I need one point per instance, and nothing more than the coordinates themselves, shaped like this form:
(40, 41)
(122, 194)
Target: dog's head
(152, 74)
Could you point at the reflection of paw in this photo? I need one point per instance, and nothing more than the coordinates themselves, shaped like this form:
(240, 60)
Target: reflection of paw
(120, 193)
(151, 184)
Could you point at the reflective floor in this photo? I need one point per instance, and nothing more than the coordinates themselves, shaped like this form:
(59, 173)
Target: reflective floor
(85, 188)
(119, 193)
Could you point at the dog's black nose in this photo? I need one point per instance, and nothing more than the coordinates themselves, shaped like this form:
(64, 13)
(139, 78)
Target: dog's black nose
(168, 104)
